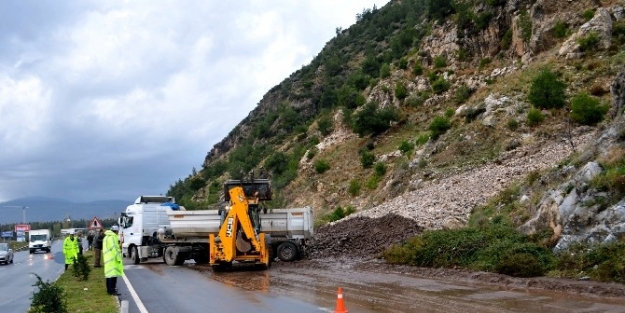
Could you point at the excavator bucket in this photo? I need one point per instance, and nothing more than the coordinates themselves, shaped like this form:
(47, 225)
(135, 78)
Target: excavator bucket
(260, 188)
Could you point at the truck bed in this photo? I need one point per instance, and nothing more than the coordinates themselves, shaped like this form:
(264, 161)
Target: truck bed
(295, 223)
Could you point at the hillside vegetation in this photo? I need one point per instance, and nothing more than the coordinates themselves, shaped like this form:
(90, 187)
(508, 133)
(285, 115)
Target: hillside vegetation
(452, 113)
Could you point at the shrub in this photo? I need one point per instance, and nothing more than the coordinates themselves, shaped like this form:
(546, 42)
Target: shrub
(340, 213)
(422, 139)
(417, 69)
(321, 166)
(589, 42)
(588, 14)
(366, 159)
(406, 147)
(604, 262)
(402, 64)
(560, 30)
(534, 117)
(439, 126)
(416, 100)
(440, 61)
(81, 268)
(380, 169)
(325, 125)
(354, 187)
(587, 110)
(440, 85)
(401, 92)
(373, 181)
(513, 124)
(547, 90)
(311, 153)
(506, 40)
(525, 23)
(462, 94)
(49, 298)
(385, 71)
(372, 120)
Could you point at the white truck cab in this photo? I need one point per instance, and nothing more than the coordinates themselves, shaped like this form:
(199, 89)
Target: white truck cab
(39, 239)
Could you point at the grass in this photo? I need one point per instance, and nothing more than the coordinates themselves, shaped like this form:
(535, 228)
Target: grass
(90, 295)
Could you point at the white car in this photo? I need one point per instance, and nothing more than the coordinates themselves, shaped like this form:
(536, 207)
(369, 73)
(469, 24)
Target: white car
(6, 253)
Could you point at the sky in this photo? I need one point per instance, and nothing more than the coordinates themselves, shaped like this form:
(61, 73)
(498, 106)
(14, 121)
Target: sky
(104, 100)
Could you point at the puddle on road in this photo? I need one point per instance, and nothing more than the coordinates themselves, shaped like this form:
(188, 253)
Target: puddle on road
(383, 292)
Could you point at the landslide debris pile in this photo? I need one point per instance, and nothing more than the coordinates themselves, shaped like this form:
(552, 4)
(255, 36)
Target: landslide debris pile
(362, 237)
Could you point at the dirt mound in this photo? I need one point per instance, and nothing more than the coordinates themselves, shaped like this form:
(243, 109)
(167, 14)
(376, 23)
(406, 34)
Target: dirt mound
(362, 237)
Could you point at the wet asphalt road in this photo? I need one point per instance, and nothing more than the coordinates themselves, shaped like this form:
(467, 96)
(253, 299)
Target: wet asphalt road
(17, 279)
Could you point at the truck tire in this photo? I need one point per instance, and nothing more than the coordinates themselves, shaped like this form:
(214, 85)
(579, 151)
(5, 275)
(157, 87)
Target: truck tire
(172, 257)
(287, 252)
(134, 255)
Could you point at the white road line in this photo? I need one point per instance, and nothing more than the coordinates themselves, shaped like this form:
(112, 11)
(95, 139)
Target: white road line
(134, 295)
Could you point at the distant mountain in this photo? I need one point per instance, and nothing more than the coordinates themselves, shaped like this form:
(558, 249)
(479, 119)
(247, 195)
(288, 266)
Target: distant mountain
(44, 209)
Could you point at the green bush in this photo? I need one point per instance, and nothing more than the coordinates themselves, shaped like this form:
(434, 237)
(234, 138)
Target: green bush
(417, 69)
(525, 23)
(439, 126)
(587, 110)
(440, 85)
(462, 94)
(321, 166)
(325, 125)
(513, 124)
(385, 71)
(406, 147)
(373, 181)
(588, 14)
(402, 64)
(440, 61)
(603, 262)
(373, 121)
(354, 187)
(534, 117)
(590, 42)
(515, 257)
(506, 40)
(416, 100)
(401, 92)
(80, 268)
(547, 91)
(49, 298)
(560, 30)
(366, 159)
(340, 213)
(380, 169)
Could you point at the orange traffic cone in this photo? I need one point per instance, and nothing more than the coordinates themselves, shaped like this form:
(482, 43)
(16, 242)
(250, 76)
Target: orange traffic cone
(340, 305)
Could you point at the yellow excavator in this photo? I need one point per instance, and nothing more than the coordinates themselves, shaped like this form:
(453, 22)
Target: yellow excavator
(239, 238)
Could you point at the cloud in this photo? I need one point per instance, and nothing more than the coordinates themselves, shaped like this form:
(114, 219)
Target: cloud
(108, 100)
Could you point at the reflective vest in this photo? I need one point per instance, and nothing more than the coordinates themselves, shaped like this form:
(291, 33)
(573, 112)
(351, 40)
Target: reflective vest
(70, 250)
(112, 255)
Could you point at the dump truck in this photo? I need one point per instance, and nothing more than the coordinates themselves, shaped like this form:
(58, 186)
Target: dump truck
(155, 227)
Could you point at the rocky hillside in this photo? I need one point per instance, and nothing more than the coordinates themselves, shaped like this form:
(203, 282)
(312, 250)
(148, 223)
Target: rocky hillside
(423, 109)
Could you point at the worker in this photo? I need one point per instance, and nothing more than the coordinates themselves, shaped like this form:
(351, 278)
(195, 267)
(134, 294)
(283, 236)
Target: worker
(70, 250)
(112, 257)
(97, 246)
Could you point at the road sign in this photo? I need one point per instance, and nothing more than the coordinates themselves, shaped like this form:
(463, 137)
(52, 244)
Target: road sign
(22, 227)
(7, 234)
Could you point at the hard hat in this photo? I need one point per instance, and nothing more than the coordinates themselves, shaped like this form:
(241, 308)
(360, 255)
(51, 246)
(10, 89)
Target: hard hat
(71, 232)
(114, 228)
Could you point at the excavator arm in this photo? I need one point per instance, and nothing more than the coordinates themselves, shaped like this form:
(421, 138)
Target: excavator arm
(223, 249)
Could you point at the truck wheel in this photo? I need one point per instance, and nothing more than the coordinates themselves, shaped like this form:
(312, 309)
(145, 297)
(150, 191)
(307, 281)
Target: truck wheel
(32, 251)
(172, 257)
(134, 255)
(287, 251)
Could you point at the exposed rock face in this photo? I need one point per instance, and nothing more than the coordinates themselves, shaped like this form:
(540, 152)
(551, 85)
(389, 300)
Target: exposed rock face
(618, 92)
(600, 25)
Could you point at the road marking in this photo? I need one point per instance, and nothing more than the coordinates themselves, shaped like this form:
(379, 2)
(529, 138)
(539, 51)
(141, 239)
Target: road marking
(134, 295)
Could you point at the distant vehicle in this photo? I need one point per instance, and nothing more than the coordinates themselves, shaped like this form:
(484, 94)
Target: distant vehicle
(6, 253)
(39, 239)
